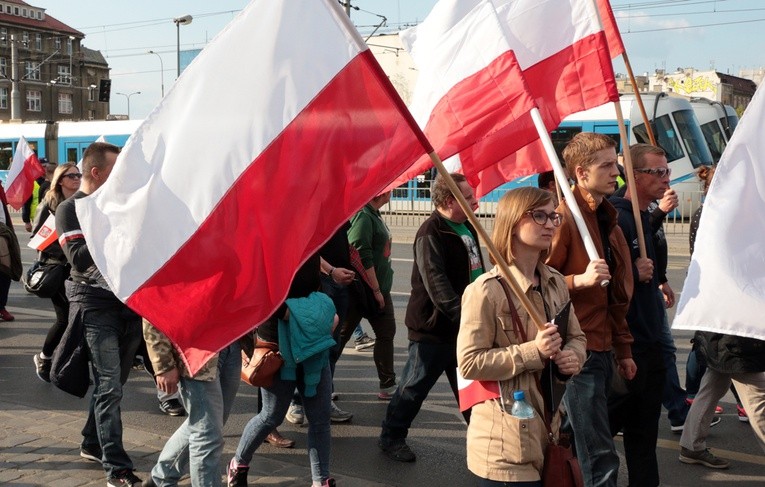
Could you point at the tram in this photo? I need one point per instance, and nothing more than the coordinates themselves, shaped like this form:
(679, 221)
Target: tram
(717, 123)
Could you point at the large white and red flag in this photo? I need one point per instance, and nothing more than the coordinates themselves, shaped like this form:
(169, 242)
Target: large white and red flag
(563, 53)
(724, 290)
(615, 43)
(281, 129)
(25, 169)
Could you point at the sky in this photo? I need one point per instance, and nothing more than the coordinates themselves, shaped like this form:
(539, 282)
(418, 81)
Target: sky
(725, 35)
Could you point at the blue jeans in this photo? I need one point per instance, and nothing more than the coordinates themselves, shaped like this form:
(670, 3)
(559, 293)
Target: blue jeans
(586, 401)
(426, 363)
(276, 401)
(196, 446)
(673, 397)
(112, 336)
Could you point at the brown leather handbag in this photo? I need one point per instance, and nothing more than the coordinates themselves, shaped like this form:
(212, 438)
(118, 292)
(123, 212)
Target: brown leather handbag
(266, 361)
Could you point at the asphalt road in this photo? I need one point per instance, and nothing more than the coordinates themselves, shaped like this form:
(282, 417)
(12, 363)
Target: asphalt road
(437, 436)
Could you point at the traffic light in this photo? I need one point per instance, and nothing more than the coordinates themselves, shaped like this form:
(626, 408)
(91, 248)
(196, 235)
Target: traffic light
(104, 90)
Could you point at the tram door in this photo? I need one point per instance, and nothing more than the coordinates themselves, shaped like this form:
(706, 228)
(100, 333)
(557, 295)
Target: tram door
(73, 151)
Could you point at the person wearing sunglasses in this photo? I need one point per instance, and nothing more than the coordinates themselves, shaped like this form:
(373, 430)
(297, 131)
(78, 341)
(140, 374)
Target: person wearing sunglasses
(637, 412)
(591, 160)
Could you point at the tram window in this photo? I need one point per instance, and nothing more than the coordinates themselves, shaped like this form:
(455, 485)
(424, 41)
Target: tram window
(694, 140)
(732, 122)
(714, 138)
(561, 137)
(665, 137)
(6, 155)
(71, 154)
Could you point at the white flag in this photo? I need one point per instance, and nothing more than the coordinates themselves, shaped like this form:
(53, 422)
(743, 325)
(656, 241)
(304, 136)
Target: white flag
(724, 291)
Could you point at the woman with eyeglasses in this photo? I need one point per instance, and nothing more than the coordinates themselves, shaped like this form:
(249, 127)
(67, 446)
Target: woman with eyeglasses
(499, 343)
(65, 182)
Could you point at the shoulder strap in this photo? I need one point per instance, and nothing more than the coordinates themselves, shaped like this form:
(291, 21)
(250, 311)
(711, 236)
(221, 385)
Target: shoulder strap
(520, 330)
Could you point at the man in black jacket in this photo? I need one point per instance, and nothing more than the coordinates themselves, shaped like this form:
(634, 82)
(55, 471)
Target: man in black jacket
(446, 259)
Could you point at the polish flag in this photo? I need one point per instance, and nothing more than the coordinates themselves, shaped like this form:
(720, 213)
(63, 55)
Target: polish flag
(563, 53)
(24, 170)
(615, 44)
(472, 392)
(46, 235)
(280, 130)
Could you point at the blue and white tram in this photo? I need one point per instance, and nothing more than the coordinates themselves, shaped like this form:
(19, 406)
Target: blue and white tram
(717, 123)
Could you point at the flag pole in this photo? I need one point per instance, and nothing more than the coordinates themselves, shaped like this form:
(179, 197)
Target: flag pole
(499, 259)
(630, 178)
(638, 98)
(563, 185)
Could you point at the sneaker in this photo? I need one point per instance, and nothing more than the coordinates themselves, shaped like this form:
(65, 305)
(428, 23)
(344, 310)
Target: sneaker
(138, 363)
(42, 366)
(237, 474)
(335, 396)
(295, 414)
(742, 416)
(172, 407)
(365, 343)
(386, 394)
(92, 453)
(123, 478)
(337, 415)
(703, 457)
(718, 408)
(397, 450)
(329, 483)
(679, 428)
(5, 315)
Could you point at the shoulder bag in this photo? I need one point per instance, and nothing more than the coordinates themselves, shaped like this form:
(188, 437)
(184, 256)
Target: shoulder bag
(266, 361)
(44, 279)
(561, 468)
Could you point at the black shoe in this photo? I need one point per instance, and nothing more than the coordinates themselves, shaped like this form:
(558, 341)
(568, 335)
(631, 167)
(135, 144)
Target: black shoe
(172, 407)
(93, 454)
(397, 450)
(123, 478)
(42, 367)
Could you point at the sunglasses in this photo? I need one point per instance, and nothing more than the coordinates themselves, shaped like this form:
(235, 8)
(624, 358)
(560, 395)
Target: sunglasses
(74, 175)
(657, 171)
(540, 217)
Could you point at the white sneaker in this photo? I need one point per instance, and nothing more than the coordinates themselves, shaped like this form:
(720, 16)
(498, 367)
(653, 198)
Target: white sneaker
(365, 343)
(337, 415)
(295, 414)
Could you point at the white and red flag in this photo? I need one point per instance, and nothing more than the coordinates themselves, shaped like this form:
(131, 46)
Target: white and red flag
(615, 44)
(281, 129)
(46, 235)
(24, 170)
(724, 291)
(473, 392)
(562, 51)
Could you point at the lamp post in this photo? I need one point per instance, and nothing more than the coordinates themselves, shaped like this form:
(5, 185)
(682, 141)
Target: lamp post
(185, 20)
(127, 96)
(161, 71)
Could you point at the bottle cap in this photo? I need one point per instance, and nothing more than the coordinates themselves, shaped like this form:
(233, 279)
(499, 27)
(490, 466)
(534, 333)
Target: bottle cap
(519, 396)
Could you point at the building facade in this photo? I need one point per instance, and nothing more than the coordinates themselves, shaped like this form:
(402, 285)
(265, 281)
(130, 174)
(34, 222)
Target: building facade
(56, 76)
(713, 85)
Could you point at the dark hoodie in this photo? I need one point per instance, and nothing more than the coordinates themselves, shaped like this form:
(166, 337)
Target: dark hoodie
(646, 312)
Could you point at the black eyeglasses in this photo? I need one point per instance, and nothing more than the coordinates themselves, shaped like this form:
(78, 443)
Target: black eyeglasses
(74, 175)
(540, 217)
(656, 171)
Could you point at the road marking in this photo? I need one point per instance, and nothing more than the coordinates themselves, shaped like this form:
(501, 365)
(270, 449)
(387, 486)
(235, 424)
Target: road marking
(31, 311)
(402, 260)
(729, 454)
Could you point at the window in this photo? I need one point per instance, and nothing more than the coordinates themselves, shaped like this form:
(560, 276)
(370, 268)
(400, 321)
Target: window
(3, 36)
(39, 15)
(91, 94)
(7, 9)
(57, 43)
(64, 75)
(23, 12)
(4, 98)
(15, 10)
(3, 67)
(64, 103)
(32, 70)
(69, 46)
(91, 114)
(38, 42)
(25, 39)
(34, 101)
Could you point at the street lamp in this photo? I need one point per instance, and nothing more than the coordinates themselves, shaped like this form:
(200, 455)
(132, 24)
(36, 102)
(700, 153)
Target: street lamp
(128, 99)
(185, 20)
(161, 71)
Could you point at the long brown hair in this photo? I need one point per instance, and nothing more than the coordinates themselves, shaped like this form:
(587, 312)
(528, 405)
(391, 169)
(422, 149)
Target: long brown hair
(55, 194)
(511, 208)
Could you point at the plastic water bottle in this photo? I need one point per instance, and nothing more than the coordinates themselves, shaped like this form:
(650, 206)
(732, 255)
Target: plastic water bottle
(521, 409)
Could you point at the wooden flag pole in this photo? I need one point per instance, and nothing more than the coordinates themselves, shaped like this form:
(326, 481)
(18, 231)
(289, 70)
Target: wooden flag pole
(630, 179)
(499, 259)
(639, 100)
(563, 185)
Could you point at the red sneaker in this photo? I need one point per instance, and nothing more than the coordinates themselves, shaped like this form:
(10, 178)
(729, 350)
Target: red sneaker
(5, 315)
(742, 416)
(718, 409)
